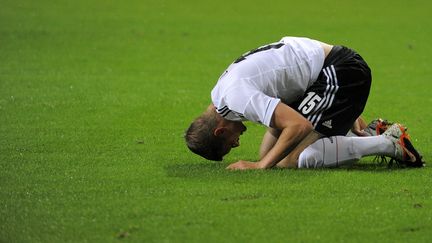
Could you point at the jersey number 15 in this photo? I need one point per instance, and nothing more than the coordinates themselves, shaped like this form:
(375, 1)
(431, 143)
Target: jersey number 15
(309, 103)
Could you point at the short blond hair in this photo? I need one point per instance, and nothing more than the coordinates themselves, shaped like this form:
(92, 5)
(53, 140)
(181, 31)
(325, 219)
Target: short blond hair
(200, 137)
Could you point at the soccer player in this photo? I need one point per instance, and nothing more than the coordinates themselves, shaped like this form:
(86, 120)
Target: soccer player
(302, 90)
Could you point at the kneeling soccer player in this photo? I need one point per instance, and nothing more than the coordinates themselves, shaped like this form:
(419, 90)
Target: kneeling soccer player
(302, 90)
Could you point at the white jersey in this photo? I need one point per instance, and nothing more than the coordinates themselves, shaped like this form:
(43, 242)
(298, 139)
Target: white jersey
(253, 85)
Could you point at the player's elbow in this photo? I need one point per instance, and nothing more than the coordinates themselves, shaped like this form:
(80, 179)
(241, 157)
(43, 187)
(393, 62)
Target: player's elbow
(304, 128)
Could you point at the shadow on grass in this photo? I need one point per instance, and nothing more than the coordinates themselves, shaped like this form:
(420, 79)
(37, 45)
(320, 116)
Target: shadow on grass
(212, 169)
(371, 167)
(195, 170)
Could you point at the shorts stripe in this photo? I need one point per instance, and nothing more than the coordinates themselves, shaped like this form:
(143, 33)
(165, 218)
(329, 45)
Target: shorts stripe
(336, 84)
(313, 115)
(330, 93)
(330, 98)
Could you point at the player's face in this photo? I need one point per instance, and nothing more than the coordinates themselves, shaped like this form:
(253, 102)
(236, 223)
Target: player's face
(233, 132)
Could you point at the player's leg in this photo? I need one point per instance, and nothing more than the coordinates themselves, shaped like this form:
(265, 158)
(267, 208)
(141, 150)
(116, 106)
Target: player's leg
(290, 161)
(339, 150)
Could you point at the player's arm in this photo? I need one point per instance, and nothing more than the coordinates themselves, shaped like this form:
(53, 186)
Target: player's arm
(269, 140)
(293, 128)
(290, 161)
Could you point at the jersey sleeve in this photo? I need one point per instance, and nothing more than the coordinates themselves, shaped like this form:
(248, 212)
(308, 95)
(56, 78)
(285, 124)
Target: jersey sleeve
(253, 105)
(260, 108)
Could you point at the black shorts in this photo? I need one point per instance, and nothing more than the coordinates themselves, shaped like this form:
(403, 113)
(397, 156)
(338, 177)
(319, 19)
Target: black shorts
(339, 95)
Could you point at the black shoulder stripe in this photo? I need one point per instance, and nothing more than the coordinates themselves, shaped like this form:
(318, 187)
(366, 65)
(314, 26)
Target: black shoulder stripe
(226, 113)
(223, 109)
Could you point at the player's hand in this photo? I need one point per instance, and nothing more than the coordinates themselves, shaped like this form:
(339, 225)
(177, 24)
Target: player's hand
(243, 165)
(358, 127)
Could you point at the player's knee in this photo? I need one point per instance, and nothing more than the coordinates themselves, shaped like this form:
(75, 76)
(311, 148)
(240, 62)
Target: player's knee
(310, 158)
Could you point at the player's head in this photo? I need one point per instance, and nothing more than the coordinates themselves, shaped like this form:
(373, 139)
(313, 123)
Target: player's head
(211, 136)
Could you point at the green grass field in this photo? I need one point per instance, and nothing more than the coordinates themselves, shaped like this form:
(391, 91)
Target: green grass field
(95, 97)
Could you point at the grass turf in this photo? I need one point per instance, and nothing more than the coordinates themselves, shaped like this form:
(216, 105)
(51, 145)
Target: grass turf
(95, 96)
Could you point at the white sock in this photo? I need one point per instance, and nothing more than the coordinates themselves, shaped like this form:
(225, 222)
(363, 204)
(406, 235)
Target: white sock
(339, 151)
